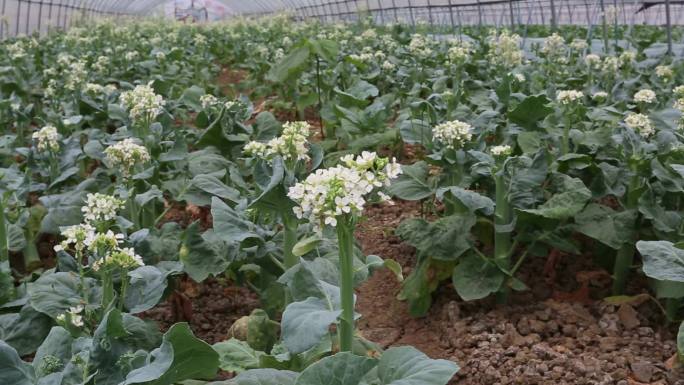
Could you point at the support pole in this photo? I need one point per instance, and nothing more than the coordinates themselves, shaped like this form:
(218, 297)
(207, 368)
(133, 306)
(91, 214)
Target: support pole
(554, 22)
(669, 27)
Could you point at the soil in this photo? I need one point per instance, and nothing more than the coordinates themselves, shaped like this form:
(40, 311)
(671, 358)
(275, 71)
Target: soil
(558, 332)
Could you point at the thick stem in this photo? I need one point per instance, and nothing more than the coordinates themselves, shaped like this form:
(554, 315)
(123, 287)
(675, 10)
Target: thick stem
(672, 306)
(4, 251)
(502, 238)
(124, 287)
(318, 90)
(625, 255)
(345, 239)
(565, 144)
(289, 240)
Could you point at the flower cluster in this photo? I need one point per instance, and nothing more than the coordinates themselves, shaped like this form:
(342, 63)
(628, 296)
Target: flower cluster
(291, 144)
(460, 52)
(665, 73)
(420, 46)
(74, 316)
(388, 66)
(208, 101)
(645, 96)
(599, 96)
(504, 49)
(342, 190)
(610, 65)
(47, 139)
(142, 102)
(567, 97)
(501, 151)
(123, 258)
(453, 134)
(592, 61)
(125, 154)
(641, 124)
(100, 208)
(579, 45)
(77, 236)
(554, 48)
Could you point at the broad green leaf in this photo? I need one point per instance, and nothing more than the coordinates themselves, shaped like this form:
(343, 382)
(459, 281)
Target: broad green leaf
(305, 245)
(341, 369)
(214, 186)
(407, 366)
(529, 141)
(25, 330)
(57, 344)
(326, 49)
(54, 293)
(181, 356)
(474, 278)
(412, 184)
(530, 111)
(472, 200)
(147, 285)
(662, 260)
(416, 131)
(231, 225)
(445, 239)
(261, 377)
(13, 370)
(237, 356)
(199, 259)
(605, 225)
(290, 65)
(304, 323)
(191, 97)
(565, 204)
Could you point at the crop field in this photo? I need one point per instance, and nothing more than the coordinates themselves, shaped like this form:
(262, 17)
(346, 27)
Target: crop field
(271, 202)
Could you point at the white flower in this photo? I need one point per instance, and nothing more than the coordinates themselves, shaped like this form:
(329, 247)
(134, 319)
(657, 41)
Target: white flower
(93, 88)
(419, 46)
(678, 91)
(341, 190)
(453, 134)
(47, 139)
(592, 60)
(645, 96)
(664, 72)
(124, 155)
(388, 65)
(101, 64)
(74, 314)
(131, 55)
(142, 102)
(78, 236)
(641, 124)
(292, 144)
(208, 100)
(520, 78)
(160, 56)
(502, 150)
(504, 49)
(567, 97)
(100, 208)
(627, 57)
(599, 96)
(460, 52)
(104, 241)
(76, 75)
(611, 65)
(579, 45)
(554, 48)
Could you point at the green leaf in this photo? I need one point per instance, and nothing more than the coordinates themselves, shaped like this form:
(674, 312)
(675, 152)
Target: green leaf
(231, 225)
(530, 141)
(12, 369)
(290, 65)
(444, 239)
(261, 377)
(191, 97)
(416, 131)
(605, 225)
(53, 294)
(412, 184)
(326, 49)
(472, 200)
(341, 369)
(570, 200)
(199, 259)
(147, 285)
(304, 323)
(306, 245)
(25, 330)
(358, 93)
(407, 366)
(662, 260)
(181, 356)
(57, 344)
(474, 278)
(214, 186)
(530, 111)
(237, 356)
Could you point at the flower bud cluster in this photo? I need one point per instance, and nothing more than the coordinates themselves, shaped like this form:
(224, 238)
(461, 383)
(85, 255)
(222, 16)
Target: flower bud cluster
(124, 155)
(453, 134)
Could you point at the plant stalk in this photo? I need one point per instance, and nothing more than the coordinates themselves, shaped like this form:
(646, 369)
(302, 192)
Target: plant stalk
(502, 239)
(345, 239)
(625, 255)
(289, 240)
(4, 244)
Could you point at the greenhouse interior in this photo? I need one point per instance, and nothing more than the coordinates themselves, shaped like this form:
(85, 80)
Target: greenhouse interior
(342, 192)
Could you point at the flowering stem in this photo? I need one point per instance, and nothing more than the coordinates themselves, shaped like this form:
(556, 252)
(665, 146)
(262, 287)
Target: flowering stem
(4, 251)
(289, 240)
(107, 289)
(345, 239)
(625, 255)
(124, 287)
(502, 237)
(565, 144)
(81, 276)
